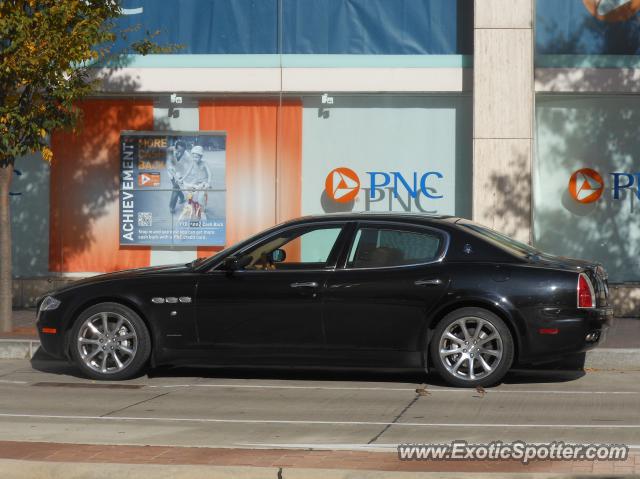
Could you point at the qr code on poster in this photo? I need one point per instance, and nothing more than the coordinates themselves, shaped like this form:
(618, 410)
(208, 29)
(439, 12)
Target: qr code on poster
(145, 219)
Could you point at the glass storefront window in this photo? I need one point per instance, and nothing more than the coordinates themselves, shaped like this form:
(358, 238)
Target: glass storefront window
(585, 184)
(385, 152)
(292, 147)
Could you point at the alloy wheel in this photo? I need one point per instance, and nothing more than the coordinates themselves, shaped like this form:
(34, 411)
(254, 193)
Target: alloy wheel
(470, 348)
(107, 342)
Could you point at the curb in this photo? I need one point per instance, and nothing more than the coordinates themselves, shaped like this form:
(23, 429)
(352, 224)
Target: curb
(24, 469)
(18, 348)
(612, 358)
(602, 358)
(21, 469)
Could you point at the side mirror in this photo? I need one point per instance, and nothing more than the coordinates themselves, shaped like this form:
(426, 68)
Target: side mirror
(233, 263)
(278, 255)
(230, 264)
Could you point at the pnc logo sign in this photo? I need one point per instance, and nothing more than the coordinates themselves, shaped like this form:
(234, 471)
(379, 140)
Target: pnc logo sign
(586, 185)
(612, 10)
(149, 179)
(342, 185)
(385, 189)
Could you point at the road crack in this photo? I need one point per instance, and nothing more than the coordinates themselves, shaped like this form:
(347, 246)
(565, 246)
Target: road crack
(134, 404)
(395, 420)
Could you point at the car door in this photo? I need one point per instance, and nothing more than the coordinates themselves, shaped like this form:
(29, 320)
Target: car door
(271, 307)
(378, 298)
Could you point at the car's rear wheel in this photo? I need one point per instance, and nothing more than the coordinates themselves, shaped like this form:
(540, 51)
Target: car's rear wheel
(110, 341)
(472, 347)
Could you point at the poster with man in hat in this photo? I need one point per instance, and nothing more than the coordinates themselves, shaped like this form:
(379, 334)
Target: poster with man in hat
(172, 188)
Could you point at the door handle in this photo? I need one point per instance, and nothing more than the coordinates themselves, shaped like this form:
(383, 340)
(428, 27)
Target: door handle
(428, 282)
(311, 284)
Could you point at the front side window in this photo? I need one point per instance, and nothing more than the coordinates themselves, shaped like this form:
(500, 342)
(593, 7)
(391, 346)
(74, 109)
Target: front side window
(381, 248)
(294, 249)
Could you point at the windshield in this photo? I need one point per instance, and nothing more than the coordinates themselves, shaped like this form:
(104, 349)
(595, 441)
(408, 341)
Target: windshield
(231, 249)
(499, 239)
(196, 262)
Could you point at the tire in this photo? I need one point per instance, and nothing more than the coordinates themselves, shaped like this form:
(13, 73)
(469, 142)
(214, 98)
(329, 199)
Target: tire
(126, 346)
(489, 360)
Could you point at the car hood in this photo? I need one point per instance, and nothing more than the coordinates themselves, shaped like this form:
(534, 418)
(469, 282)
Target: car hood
(124, 274)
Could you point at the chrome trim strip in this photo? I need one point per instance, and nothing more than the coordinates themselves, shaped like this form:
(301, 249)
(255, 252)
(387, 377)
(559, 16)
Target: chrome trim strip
(310, 284)
(427, 282)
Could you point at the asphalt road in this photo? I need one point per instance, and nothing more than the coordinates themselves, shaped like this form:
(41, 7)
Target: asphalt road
(46, 401)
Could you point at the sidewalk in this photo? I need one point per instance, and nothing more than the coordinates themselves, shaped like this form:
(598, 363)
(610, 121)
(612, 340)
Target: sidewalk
(24, 325)
(290, 463)
(22, 342)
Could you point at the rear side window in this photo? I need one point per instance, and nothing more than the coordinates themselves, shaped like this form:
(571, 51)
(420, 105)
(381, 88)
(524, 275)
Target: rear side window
(382, 247)
(498, 239)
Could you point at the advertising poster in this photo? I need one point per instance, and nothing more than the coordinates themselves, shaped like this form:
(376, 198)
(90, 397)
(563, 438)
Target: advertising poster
(172, 188)
(586, 27)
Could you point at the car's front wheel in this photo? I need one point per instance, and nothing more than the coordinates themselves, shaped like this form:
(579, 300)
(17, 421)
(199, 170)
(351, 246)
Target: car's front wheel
(472, 347)
(110, 342)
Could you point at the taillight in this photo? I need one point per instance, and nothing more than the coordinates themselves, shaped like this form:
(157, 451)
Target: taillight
(586, 295)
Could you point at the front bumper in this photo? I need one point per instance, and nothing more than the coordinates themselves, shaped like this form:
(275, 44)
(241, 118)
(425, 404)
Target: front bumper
(51, 333)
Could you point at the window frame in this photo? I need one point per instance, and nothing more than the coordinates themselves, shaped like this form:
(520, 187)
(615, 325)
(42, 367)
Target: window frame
(397, 226)
(332, 260)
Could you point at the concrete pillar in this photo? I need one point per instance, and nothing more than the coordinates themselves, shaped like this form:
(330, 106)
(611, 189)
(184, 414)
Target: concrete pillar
(503, 100)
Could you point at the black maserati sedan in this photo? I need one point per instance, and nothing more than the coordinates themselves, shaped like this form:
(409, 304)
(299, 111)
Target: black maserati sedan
(376, 291)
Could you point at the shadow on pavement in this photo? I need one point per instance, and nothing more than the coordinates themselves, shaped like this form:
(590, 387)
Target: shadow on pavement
(47, 364)
(44, 363)
(314, 374)
(519, 376)
(537, 376)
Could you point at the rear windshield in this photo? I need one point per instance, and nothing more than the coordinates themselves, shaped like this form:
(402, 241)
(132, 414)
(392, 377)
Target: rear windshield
(500, 240)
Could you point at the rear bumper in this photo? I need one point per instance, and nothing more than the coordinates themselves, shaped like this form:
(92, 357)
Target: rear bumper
(560, 333)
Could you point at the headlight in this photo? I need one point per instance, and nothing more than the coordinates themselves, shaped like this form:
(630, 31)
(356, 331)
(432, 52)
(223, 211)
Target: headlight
(49, 303)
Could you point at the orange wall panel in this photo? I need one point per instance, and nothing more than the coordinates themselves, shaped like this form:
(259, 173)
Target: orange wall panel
(85, 181)
(290, 162)
(263, 143)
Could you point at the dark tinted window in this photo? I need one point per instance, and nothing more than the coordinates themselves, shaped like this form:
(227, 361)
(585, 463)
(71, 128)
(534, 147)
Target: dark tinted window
(378, 248)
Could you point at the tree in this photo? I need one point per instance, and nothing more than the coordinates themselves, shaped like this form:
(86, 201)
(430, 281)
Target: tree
(47, 48)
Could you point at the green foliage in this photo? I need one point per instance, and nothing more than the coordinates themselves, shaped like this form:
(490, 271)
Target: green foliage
(46, 50)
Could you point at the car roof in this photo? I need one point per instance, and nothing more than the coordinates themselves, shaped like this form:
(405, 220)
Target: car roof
(409, 217)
